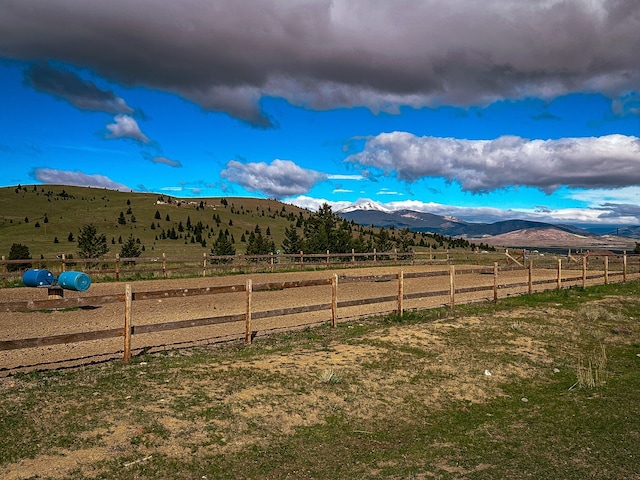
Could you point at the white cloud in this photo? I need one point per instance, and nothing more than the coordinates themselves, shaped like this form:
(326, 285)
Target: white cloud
(610, 161)
(126, 127)
(280, 178)
(599, 196)
(78, 178)
(314, 204)
(344, 177)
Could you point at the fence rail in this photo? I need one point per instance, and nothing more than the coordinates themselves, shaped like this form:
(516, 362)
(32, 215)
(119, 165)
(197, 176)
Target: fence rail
(249, 288)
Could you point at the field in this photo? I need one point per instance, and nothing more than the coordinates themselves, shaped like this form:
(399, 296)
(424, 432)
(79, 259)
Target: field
(541, 386)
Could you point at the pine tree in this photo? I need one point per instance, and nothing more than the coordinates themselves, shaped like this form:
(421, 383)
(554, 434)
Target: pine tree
(222, 246)
(292, 242)
(90, 244)
(130, 249)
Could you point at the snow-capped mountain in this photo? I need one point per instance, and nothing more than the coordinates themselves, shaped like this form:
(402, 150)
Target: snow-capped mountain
(371, 213)
(365, 206)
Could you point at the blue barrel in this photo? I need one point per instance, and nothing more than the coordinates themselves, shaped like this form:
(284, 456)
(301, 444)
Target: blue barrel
(78, 281)
(37, 277)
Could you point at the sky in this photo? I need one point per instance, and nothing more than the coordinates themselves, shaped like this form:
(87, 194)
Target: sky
(485, 111)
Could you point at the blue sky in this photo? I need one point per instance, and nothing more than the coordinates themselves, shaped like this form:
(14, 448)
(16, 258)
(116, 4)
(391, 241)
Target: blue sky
(481, 110)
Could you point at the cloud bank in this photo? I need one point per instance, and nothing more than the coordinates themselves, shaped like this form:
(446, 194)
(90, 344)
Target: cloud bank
(611, 161)
(322, 54)
(77, 178)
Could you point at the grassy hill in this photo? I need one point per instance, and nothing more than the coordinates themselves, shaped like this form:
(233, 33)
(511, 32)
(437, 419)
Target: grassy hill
(38, 215)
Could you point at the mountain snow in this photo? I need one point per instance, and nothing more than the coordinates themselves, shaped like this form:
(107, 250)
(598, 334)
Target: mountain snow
(366, 206)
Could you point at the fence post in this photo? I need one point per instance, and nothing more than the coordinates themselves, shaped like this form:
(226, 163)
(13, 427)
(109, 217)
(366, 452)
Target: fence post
(395, 255)
(328, 257)
(4, 265)
(624, 267)
(559, 286)
(353, 257)
(117, 267)
(375, 256)
(271, 261)
(606, 270)
(164, 265)
(128, 297)
(400, 293)
(204, 264)
(584, 271)
(530, 275)
(247, 321)
(452, 286)
(301, 259)
(63, 267)
(334, 300)
(495, 282)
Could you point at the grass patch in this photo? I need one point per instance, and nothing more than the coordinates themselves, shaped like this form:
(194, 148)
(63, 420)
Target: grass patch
(386, 397)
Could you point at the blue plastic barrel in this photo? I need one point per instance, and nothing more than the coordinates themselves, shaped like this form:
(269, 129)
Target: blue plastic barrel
(37, 277)
(78, 281)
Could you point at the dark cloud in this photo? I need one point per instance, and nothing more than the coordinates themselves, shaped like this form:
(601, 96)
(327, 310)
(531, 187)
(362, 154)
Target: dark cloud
(70, 87)
(484, 165)
(166, 161)
(545, 116)
(227, 55)
(616, 210)
(280, 178)
(77, 177)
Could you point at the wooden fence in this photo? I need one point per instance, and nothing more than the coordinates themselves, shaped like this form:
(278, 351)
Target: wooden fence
(331, 305)
(163, 266)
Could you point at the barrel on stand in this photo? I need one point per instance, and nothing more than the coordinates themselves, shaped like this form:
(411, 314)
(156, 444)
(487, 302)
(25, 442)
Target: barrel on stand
(78, 281)
(37, 277)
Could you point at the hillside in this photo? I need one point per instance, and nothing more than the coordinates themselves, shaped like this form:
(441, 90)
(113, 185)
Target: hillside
(555, 237)
(43, 217)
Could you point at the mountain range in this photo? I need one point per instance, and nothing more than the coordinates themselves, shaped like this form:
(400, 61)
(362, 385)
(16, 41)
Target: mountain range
(508, 232)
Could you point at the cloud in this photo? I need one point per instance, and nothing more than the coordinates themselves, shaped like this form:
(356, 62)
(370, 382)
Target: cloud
(279, 179)
(77, 178)
(333, 176)
(166, 161)
(611, 161)
(67, 85)
(323, 54)
(126, 127)
(311, 203)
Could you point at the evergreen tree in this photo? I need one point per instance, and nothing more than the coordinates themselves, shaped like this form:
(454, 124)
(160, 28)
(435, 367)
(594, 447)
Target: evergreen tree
(18, 252)
(259, 245)
(222, 246)
(90, 244)
(292, 242)
(325, 231)
(130, 249)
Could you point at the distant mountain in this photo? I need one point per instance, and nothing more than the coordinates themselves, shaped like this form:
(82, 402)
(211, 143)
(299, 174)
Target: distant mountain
(370, 213)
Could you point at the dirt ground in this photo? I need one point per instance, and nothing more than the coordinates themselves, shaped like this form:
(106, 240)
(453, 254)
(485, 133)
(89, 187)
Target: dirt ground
(35, 324)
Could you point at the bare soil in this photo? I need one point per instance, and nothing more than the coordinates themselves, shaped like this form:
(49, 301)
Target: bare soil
(37, 324)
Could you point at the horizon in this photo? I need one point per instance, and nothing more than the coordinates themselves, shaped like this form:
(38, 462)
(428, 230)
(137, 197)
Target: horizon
(482, 112)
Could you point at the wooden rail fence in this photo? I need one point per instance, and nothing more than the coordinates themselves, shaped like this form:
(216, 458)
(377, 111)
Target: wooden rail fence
(250, 316)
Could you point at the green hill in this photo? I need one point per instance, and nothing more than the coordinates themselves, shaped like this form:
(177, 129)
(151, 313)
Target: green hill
(48, 219)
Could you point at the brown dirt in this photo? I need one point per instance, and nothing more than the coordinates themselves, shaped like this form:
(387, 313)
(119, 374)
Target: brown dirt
(21, 325)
